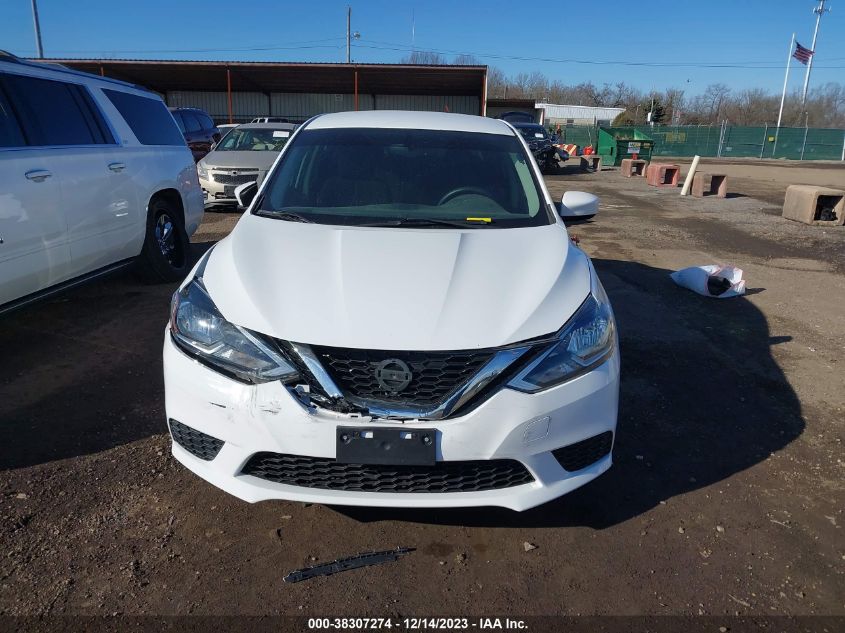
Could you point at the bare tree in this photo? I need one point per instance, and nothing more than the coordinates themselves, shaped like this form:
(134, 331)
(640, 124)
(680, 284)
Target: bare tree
(497, 83)
(715, 95)
(519, 86)
(825, 104)
(425, 58)
(466, 60)
(537, 86)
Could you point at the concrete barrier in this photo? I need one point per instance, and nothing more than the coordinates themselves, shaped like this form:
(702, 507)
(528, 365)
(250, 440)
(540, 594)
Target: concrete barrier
(810, 204)
(710, 185)
(591, 163)
(633, 167)
(663, 175)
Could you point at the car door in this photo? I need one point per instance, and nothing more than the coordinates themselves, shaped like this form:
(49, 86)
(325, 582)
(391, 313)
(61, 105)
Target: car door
(93, 173)
(34, 253)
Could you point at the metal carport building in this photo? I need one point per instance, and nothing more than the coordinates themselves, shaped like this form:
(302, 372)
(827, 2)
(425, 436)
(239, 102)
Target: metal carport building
(238, 91)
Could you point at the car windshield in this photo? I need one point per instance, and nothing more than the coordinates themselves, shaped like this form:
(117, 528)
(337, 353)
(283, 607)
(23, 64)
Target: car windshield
(420, 178)
(253, 139)
(532, 132)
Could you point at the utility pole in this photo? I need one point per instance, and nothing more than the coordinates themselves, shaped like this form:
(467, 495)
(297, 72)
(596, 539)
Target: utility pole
(350, 35)
(38, 46)
(819, 11)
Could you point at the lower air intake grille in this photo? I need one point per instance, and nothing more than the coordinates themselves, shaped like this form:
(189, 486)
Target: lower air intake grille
(196, 443)
(318, 472)
(582, 454)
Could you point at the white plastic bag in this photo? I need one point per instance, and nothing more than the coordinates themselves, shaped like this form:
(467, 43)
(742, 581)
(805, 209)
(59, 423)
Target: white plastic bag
(719, 282)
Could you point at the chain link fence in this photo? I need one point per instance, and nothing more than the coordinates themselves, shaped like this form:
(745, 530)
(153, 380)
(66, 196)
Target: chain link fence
(728, 141)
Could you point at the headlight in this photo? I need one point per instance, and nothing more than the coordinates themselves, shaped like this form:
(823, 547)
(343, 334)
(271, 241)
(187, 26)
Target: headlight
(200, 330)
(202, 172)
(585, 342)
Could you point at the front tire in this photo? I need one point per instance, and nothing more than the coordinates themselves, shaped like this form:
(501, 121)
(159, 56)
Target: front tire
(165, 254)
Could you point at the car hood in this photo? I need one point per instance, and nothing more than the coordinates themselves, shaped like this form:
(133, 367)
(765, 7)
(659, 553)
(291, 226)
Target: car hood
(244, 160)
(397, 289)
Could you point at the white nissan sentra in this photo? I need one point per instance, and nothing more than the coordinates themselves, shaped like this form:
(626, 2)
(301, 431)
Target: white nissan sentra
(399, 319)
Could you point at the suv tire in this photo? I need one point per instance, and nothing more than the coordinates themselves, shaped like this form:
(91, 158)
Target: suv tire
(165, 256)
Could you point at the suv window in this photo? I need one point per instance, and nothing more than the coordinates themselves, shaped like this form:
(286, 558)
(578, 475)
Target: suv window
(55, 112)
(205, 120)
(177, 116)
(149, 119)
(191, 122)
(10, 131)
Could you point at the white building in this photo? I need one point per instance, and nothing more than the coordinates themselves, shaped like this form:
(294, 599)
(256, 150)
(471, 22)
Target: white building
(563, 115)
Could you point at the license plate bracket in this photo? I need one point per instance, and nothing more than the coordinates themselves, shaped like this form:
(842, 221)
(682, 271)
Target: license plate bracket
(393, 447)
(229, 190)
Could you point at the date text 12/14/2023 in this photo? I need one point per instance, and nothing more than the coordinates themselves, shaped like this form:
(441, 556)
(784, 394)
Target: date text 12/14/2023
(417, 624)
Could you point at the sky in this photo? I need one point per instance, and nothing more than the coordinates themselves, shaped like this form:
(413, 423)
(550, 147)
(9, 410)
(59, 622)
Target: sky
(602, 42)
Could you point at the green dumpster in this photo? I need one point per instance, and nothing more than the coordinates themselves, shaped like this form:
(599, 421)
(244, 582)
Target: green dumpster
(616, 143)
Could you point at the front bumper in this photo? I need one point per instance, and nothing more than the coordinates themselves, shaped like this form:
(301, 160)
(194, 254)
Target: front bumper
(250, 419)
(214, 194)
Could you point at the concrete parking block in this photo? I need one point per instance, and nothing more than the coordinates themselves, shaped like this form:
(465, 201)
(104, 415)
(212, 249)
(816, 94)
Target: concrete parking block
(704, 184)
(634, 167)
(810, 204)
(591, 163)
(663, 175)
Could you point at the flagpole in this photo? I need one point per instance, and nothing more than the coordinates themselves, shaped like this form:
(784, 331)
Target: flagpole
(818, 11)
(783, 96)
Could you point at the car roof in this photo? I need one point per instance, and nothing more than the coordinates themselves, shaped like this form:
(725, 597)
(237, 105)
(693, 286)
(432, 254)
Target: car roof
(267, 126)
(524, 124)
(412, 120)
(176, 108)
(55, 67)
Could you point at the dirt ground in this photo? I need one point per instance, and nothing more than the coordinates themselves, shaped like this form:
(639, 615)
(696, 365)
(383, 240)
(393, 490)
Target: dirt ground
(726, 496)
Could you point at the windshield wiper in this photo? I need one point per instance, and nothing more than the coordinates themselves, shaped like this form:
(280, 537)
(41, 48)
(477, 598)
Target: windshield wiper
(284, 215)
(426, 222)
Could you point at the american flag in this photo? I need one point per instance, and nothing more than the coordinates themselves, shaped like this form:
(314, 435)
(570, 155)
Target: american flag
(802, 54)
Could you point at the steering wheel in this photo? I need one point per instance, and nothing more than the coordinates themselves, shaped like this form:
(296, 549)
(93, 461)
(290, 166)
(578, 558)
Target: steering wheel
(462, 191)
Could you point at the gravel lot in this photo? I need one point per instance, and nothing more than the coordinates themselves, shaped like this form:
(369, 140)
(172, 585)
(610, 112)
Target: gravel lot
(726, 496)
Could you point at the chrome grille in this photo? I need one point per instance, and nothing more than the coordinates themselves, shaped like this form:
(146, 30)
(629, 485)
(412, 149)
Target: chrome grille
(435, 375)
(229, 179)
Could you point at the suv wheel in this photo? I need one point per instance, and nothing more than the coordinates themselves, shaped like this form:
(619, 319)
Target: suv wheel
(165, 255)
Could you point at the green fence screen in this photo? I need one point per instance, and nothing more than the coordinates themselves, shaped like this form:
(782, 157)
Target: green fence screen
(730, 141)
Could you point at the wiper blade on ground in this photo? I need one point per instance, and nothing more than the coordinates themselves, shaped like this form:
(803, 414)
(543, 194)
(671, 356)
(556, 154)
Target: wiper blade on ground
(428, 222)
(345, 564)
(284, 215)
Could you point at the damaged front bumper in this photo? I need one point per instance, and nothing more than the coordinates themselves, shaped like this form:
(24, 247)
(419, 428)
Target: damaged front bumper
(514, 445)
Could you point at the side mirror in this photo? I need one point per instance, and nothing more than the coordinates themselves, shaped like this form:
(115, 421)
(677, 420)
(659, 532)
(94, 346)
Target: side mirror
(245, 193)
(578, 205)
(213, 145)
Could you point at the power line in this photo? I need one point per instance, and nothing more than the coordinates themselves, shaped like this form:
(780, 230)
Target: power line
(215, 50)
(398, 47)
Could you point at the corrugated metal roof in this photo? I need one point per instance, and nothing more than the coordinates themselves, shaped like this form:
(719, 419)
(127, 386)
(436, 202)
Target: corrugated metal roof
(169, 75)
(60, 60)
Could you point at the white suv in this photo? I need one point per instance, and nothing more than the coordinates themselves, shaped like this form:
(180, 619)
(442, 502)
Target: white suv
(94, 174)
(399, 319)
